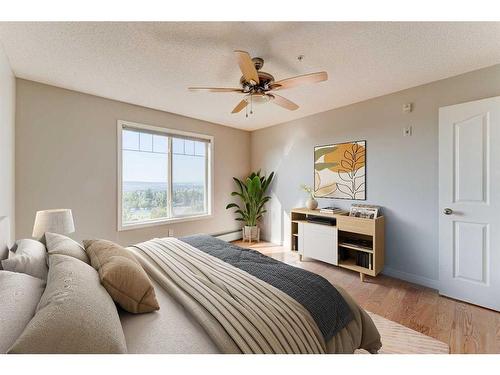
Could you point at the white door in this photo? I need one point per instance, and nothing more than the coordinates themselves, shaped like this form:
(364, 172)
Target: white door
(469, 202)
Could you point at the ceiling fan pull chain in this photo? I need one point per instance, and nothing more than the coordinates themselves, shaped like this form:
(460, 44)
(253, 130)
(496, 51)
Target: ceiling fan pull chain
(251, 104)
(246, 111)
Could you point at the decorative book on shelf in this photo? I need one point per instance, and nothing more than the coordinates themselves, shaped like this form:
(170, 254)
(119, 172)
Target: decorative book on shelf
(332, 210)
(365, 211)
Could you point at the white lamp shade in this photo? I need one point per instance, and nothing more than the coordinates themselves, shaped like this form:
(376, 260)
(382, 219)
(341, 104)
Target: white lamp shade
(55, 221)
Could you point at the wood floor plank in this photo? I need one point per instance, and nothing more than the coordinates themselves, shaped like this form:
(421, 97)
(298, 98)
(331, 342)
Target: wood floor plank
(444, 322)
(497, 335)
(465, 328)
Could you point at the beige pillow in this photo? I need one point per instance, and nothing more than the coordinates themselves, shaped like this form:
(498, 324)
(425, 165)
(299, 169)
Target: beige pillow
(59, 244)
(75, 314)
(19, 297)
(122, 276)
(30, 258)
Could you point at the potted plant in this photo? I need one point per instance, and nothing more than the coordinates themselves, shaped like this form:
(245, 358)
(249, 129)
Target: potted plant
(311, 203)
(252, 192)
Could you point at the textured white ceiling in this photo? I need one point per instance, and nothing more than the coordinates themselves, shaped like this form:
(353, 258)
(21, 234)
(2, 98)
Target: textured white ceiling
(152, 64)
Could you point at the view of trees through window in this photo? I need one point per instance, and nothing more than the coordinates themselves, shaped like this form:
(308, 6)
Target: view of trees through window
(145, 177)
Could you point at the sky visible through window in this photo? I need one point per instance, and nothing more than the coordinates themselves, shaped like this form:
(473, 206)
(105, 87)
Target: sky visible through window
(148, 161)
(145, 177)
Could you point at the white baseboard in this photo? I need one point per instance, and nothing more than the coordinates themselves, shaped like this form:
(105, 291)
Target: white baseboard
(411, 277)
(230, 236)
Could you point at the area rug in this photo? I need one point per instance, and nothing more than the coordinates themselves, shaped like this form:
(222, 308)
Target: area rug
(398, 339)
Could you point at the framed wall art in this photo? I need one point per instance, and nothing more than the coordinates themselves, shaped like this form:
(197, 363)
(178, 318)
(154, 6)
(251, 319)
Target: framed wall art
(340, 171)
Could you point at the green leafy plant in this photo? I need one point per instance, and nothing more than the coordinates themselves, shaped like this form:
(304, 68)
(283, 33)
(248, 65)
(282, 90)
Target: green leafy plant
(252, 192)
(309, 190)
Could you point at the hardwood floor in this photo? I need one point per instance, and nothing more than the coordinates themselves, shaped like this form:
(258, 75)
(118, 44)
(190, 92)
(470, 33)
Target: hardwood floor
(466, 328)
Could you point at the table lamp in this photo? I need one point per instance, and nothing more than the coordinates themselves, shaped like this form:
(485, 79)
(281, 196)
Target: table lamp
(55, 221)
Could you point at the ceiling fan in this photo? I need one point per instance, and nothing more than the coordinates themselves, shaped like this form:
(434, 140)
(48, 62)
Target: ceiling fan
(260, 86)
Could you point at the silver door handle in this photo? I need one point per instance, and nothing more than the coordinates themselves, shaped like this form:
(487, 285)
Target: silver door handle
(447, 211)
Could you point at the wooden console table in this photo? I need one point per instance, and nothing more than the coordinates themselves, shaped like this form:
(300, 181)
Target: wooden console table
(340, 243)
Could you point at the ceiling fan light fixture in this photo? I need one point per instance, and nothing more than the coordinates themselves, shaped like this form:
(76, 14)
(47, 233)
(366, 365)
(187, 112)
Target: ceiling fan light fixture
(260, 98)
(260, 86)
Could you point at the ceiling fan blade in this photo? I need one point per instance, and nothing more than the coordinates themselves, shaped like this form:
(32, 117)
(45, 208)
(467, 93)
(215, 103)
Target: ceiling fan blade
(215, 89)
(247, 66)
(283, 102)
(240, 106)
(299, 80)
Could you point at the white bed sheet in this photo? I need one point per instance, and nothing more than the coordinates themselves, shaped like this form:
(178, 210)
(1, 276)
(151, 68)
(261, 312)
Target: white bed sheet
(170, 330)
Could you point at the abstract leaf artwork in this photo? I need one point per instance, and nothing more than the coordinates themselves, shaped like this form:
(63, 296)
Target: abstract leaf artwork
(340, 171)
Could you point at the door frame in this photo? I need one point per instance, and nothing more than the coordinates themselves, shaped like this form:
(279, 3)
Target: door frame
(443, 239)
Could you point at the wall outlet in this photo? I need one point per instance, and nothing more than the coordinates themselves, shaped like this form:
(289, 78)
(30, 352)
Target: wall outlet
(170, 232)
(407, 131)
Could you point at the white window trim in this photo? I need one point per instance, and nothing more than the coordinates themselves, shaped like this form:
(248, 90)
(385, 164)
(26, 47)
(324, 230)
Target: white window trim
(166, 221)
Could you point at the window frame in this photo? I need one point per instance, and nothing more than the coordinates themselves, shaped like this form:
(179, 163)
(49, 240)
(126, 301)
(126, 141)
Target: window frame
(209, 171)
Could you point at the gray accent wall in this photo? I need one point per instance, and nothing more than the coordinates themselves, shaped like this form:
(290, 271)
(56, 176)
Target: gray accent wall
(7, 121)
(66, 157)
(402, 172)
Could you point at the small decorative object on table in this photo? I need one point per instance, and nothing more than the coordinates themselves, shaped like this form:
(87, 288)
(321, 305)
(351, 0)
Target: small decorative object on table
(251, 191)
(311, 203)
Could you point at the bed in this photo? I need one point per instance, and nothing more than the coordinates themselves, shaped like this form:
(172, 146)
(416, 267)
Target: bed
(182, 325)
(213, 297)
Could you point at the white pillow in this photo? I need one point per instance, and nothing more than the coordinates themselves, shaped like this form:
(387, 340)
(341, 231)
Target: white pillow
(59, 244)
(30, 258)
(4, 253)
(75, 314)
(19, 296)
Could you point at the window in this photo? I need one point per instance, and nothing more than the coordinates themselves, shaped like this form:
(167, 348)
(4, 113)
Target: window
(164, 175)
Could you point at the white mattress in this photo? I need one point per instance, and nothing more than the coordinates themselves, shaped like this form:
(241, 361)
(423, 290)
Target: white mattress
(171, 330)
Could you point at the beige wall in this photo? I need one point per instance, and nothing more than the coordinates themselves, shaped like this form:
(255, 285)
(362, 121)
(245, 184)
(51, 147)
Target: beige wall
(66, 158)
(402, 172)
(7, 120)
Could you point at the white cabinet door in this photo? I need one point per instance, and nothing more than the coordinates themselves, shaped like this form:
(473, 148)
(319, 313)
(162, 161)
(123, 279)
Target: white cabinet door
(320, 242)
(469, 201)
